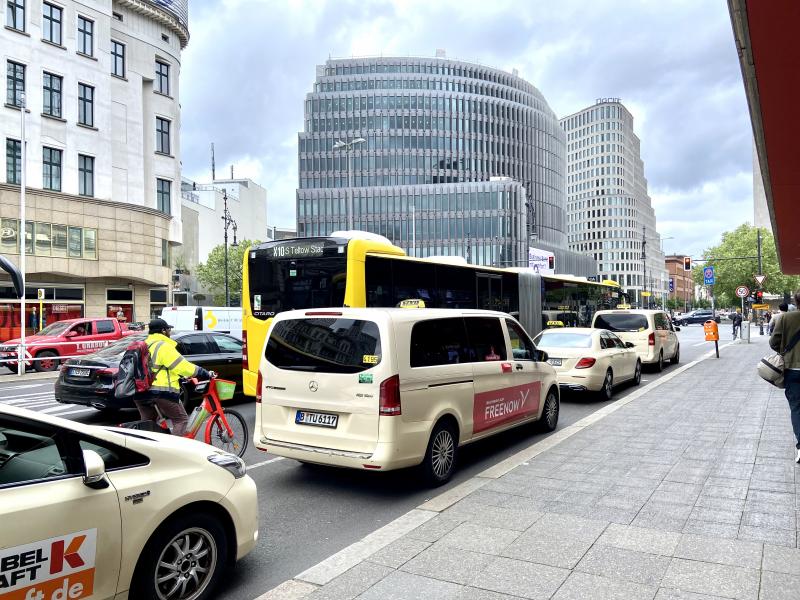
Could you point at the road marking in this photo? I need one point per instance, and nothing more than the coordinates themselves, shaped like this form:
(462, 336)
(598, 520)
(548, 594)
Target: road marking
(59, 407)
(75, 412)
(25, 397)
(348, 557)
(24, 387)
(265, 462)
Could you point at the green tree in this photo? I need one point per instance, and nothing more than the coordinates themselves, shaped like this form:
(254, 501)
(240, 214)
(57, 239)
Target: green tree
(730, 274)
(211, 274)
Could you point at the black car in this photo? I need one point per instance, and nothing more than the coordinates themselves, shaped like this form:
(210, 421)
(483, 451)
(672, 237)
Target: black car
(89, 380)
(696, 316)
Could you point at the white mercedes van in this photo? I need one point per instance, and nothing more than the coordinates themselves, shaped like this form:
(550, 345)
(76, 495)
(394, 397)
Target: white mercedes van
(651, 332)
(382, 389)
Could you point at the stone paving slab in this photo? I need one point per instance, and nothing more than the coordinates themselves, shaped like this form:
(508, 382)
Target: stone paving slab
(687, 492)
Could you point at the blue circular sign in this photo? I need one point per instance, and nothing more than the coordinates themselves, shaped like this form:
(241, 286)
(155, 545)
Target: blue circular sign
(708, 272)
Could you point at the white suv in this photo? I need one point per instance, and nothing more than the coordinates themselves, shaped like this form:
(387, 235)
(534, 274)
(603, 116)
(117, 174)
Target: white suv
(650, 331)
(382, 389)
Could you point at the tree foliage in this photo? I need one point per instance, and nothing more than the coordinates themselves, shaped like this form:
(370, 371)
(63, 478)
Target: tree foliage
(211, 274)
(730, 274)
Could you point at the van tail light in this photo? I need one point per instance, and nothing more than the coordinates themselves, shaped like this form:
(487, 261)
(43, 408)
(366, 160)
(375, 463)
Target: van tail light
(245, 362)
(651, 339)
(390, 396)
(585, 363)
(259, 384)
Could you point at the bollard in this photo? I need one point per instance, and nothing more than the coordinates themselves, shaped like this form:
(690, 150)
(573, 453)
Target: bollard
(744, 333)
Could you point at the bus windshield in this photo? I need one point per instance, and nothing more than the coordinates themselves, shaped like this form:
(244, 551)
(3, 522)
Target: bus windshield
(285, 284)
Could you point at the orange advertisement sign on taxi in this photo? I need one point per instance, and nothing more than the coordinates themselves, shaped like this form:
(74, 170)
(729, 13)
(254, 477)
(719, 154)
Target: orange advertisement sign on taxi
(711, 330)
(59, 568)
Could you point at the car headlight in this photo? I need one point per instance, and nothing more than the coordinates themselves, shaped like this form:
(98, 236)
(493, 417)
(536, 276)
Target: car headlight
(230, 463)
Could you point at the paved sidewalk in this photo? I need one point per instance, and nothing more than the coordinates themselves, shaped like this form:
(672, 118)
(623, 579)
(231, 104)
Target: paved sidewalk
(687, 492)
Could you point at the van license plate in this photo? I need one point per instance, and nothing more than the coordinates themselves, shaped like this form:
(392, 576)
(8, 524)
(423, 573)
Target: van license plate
(79, 372)
(318, 419)
(556, 362)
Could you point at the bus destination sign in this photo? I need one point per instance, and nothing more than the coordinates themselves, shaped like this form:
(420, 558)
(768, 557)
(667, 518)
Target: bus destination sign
(297, 250)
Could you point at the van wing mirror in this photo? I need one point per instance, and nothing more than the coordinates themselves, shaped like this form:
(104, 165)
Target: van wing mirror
(14, 273)
(630, 345)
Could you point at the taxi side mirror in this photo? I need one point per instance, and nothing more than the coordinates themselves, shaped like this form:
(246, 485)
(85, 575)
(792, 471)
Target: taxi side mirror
(541, 356)
(677, 328)
(94, 470)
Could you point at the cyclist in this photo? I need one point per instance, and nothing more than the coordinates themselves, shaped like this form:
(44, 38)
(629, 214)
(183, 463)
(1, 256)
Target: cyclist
(169, 366)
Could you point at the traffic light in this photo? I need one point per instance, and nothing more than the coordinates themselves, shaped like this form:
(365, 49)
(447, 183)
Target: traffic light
(687, 263)
(759, 296)
(551, 262)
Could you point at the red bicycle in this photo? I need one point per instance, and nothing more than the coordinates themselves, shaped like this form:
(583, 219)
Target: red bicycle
(224, 428)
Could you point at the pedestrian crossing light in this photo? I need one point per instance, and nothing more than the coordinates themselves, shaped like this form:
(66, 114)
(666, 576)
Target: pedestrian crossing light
(551, 262)
(687, 263)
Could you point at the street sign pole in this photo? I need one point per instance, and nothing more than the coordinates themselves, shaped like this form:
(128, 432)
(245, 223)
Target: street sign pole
(716, 347)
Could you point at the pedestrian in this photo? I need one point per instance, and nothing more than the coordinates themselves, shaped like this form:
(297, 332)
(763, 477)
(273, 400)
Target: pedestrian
(169, 366)
(737, 322)
(786, 330)
(783, 307)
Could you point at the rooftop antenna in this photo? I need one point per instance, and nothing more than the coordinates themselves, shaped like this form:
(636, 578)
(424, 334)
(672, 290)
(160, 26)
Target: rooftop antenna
(213, 165)
(231, 171)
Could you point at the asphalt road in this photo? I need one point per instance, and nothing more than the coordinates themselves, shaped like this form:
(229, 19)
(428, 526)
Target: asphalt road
(308, 513)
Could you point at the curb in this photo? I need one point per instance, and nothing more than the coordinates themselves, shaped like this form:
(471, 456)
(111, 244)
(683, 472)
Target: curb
(28, 377)
(325, 571)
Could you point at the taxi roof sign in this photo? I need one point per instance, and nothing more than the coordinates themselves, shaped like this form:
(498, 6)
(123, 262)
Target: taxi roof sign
(411, 303)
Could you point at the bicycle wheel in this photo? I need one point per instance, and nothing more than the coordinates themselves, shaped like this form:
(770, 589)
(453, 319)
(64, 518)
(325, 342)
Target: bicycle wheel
(217, 434)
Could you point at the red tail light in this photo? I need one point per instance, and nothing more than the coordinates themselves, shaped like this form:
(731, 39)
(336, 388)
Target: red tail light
(585, 363)
(390, 396)
(245, 362)
(258, 387)
(107, 372)
(651, 339)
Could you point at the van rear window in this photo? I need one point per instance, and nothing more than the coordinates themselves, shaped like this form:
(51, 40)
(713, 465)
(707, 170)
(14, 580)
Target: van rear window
(621, 322)
(324, 345)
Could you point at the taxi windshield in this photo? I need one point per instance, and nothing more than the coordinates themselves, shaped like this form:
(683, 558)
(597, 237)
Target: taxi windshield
(557, 339)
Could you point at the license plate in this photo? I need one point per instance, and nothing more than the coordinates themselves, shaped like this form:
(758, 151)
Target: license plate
(79, 372)
(318, 419)
(556, 362)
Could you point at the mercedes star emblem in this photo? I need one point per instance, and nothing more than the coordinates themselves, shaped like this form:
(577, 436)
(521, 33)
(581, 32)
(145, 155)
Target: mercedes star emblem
(313, 385)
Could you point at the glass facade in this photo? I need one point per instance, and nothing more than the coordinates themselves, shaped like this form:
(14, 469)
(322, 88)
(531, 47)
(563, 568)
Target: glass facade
(429, 122)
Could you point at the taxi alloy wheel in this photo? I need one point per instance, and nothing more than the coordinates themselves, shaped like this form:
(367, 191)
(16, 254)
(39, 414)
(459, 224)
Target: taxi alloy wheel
(660, 362)
(607, 391)
(677, 358)
(440, 459)
(183, 560)
(637, 374)
(550, 412)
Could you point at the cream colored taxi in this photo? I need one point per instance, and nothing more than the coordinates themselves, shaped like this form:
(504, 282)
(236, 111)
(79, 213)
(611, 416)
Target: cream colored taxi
(650, 331)
(109, 513)
(593, 360)
(383, 389)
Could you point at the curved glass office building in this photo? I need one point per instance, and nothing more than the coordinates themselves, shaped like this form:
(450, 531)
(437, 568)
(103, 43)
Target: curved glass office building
(456, 158)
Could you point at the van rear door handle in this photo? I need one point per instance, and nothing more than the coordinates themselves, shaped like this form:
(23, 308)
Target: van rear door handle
(518, 367)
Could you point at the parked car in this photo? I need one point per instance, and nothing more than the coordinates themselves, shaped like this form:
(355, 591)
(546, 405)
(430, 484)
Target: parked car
(382, 389)
(111, 513)
(71, 337)
(650, 331)
(592, 360)
(89, 380)
(697, 316)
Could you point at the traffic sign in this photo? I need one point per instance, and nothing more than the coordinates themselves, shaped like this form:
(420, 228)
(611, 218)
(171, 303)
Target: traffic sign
(742, 291)
(760, 279)
(708, 276)
(40, 294)
(671, 284)
(760, 306)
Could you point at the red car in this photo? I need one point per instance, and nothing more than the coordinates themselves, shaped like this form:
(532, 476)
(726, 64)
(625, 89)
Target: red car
(64, 339)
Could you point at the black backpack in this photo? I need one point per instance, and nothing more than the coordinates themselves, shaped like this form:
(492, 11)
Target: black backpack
(135, 374)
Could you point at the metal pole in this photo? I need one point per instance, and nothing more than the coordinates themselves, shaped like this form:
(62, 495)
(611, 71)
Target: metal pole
(413, 230)
(21, 236)
(225, 221)
(758, 238)
(350, 186)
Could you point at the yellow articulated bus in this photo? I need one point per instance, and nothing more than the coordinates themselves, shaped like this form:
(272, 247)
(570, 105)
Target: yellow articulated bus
(333, 271)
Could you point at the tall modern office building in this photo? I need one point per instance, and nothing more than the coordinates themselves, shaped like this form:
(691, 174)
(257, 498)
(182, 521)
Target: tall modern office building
(442, 157)
(98, 84)
(609, 212)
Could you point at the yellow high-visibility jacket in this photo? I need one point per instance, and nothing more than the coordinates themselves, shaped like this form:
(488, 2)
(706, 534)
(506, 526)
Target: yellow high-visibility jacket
(168, 364)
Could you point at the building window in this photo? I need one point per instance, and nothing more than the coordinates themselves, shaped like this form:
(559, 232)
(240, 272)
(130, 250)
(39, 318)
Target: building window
(162, 78)
(51, 169)
(162, 135)
(15, 83)
(117, 16)
(163, 195)
(13, 161)
(51, 23)
(117, 58)
(85, 36)
(85, 175)
(15, 14)
(51, 85)
(164, 253)
(85, 104)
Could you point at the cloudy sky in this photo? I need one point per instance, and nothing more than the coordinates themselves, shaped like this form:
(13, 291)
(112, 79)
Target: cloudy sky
(250, 63)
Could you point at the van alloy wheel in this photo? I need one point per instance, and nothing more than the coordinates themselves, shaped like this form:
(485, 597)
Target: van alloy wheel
(549, 419)
(442, 453)
(186, 565)
(637, 374)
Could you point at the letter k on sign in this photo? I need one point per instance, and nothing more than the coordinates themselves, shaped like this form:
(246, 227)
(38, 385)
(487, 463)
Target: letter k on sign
(58, 555)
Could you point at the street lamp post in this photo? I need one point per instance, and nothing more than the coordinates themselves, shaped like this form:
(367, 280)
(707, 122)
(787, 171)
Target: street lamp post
(348, 148)
(227, 221)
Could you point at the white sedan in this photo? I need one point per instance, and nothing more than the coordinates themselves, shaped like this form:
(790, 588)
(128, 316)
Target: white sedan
(114, 513)
(590, 359)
